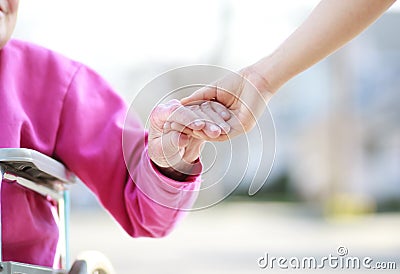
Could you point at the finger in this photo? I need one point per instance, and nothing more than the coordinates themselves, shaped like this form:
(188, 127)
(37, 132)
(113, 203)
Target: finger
(179, 151)
(173, 111)
(183, 140)
(225, 90)
(207, 109)
(164, 150)
(167, 127)
(186, 117)
(180, 128)
(221, 110)
(206, 93)
(199, 134)
(173, 102)
(214, 123)
(210, 129)
(160, 114)
(193, 150)
(172, 145)
(174, 140)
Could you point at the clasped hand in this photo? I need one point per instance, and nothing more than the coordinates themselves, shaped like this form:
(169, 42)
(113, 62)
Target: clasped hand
(177, 134)
(223, 110)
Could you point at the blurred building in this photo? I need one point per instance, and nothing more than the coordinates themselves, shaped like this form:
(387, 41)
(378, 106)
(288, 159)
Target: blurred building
(337, 124)
(346, 135)
(337, 128)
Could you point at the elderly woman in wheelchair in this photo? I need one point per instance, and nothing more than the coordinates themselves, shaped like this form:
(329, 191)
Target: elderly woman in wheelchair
(56, 115)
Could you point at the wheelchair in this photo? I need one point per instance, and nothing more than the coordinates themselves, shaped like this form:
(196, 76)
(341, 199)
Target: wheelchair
(50, 178)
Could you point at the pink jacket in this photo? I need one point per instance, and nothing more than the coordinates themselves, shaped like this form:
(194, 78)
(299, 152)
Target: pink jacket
(65, 110)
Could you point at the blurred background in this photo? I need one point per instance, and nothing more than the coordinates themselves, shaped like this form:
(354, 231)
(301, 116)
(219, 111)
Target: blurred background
(336, 174)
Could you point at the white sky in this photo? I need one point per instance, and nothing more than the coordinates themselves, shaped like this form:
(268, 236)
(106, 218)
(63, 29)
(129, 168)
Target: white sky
(133, 31)
(120, 32)
(113, 35)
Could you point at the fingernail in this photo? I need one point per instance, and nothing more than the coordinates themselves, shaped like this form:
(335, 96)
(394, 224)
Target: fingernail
(224, 114)
(214, 128)
(198, 123)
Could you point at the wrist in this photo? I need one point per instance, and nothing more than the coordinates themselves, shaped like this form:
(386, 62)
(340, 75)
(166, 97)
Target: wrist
(181, 171)
(267, 70)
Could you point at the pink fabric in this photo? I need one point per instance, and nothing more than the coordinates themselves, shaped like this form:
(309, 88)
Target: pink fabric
(65, 110)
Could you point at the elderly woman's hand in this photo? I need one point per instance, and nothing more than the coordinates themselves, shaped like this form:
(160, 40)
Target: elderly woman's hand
(173, 146)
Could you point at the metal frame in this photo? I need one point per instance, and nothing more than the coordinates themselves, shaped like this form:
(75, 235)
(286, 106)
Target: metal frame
(20, 268)
(47, 177)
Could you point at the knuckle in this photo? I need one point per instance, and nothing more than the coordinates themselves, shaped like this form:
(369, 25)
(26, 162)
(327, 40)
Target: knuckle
(156, 110)
(174, 102)
(155, 118)
(205, 106)
(194, 107)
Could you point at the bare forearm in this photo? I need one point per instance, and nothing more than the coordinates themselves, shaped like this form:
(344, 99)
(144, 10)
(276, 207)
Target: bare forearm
(331, 24)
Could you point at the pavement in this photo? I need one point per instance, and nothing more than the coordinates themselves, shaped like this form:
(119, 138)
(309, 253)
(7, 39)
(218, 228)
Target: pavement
(233, 237)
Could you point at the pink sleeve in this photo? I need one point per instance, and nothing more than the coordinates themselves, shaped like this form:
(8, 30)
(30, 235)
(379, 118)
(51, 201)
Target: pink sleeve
(89, 142)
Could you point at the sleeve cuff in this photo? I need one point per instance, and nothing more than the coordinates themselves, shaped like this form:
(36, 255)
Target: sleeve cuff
(195, 177)
(161, 189)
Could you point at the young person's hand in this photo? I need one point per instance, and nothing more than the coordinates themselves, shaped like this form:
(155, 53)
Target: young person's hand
(330, 25)
(245, 94)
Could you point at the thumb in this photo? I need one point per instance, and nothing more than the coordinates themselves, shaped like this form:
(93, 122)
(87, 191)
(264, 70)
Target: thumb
(193, 150)
(203, 94)
(173, 146)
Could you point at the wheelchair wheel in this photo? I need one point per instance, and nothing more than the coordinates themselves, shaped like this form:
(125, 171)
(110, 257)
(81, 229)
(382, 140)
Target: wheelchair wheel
(78, 267)
(92, 262)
